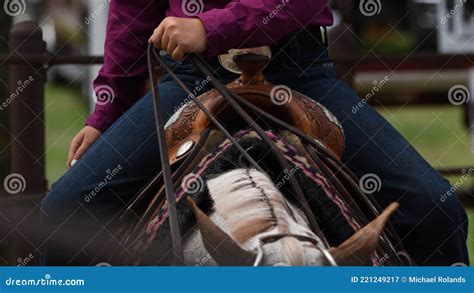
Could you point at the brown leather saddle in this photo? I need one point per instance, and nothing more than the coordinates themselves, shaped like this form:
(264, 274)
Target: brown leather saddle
(187, 125)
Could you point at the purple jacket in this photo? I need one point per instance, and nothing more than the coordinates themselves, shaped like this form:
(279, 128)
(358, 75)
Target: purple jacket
(229, 24)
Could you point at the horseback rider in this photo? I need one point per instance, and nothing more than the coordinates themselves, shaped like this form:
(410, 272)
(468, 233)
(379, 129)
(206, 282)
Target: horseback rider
(120, 134)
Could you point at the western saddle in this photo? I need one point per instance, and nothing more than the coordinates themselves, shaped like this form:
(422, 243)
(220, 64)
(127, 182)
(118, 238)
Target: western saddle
(185, 127)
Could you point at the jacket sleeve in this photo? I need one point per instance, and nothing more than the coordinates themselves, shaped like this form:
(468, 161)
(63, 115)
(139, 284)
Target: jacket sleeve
(122, 78)
(250, 23)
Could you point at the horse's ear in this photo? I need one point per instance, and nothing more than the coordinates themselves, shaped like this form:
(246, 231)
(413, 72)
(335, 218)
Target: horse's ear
(223, 249)
(359, 247)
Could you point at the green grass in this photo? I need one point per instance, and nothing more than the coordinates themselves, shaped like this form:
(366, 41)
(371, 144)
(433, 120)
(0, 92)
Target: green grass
(437, 133)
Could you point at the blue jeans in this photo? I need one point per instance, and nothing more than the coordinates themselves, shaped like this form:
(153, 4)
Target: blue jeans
(432, 227)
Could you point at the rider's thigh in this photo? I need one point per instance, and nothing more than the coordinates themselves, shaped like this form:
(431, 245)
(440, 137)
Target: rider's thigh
(431, 221)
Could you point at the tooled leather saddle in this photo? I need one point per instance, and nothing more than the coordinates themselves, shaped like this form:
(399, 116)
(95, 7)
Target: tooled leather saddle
(187, 125)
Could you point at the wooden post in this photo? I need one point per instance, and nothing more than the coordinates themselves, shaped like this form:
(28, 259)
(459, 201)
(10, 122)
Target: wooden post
(26, 103)
(5, 22)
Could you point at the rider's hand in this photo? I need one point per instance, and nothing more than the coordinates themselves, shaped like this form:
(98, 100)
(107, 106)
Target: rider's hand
(81, 143)
(179, 36)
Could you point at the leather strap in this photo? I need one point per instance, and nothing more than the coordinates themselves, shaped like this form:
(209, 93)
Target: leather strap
(165, 165)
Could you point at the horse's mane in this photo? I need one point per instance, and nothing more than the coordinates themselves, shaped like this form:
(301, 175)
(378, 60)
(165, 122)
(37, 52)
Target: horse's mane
(251, 207)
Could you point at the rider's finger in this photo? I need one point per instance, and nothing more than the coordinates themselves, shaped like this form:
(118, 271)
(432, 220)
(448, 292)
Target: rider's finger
(172, 45)
(75, 144)
(156, 36)
(164, 40)
(81, 150)
(178, 53)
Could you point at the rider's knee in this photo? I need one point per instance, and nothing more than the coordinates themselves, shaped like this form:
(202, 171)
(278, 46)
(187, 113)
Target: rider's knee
(446, 199)
(434, 216)
(60, 201)
(434, 204)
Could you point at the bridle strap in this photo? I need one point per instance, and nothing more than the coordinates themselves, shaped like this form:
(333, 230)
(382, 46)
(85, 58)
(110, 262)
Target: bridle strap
(165, 165)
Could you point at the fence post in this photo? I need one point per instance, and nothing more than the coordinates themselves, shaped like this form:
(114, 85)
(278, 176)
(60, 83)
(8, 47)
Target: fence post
(5, 21)
(27, 82)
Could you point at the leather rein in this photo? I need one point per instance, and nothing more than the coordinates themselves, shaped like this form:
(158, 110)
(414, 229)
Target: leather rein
(330, 165)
